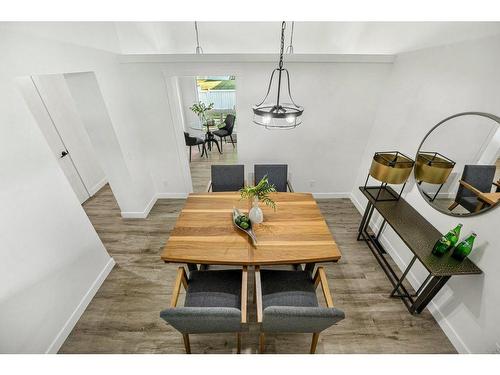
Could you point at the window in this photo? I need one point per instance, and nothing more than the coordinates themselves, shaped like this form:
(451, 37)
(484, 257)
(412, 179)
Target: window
(220, 90)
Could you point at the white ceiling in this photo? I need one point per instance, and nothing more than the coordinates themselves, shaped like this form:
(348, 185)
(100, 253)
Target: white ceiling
(259, 37)
(309, 37)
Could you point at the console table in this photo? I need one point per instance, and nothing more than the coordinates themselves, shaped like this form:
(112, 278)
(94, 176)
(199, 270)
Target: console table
(419, 236)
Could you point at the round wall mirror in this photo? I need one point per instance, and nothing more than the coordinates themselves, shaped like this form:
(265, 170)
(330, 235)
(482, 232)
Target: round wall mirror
(457, 166)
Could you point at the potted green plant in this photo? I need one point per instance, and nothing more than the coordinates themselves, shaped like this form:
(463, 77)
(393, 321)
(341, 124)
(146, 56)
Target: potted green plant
(201, 110)
(259, 192)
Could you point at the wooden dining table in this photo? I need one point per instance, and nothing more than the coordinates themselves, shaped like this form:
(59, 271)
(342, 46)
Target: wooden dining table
(294, 233)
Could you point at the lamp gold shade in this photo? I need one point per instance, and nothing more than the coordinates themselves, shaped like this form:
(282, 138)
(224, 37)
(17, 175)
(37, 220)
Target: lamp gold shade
(433, 168)
(391, 168)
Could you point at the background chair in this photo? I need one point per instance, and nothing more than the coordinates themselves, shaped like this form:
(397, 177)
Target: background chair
(227, 129)
(287, 302)
(276, 173)
(195, 141)
(216, 302)
(475, 179)
(227, 178)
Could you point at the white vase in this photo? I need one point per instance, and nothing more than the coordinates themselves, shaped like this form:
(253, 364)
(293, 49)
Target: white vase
(256, 215)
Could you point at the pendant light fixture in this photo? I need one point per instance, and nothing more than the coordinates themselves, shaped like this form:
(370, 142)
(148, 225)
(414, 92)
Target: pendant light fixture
(279, 114)
(199, 50)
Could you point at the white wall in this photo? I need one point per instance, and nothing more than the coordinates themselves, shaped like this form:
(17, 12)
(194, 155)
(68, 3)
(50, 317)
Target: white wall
(425, 87)
(340, 101)
(53, 262)
(188, 96)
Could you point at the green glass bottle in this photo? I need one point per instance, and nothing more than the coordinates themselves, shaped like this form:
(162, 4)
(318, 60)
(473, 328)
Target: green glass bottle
(454, 234)
(447, 241)
(441, 246)
(463, 249)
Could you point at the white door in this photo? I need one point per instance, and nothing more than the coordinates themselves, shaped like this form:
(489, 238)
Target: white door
(49, 130)
(59, 102)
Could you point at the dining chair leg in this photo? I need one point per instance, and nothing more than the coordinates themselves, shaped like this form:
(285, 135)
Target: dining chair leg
(198, 148)
(238, 343)
(232, 142)
(314, 343)
(217, 144)
(185, 337)
(190, 154)
(254, 298)
(453, 205)
(262, 343)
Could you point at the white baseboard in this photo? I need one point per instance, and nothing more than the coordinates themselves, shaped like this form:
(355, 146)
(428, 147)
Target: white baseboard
(94, 189)
(140, 214)
(445, 325)
(144, 214)
(331, 195)
(77, 313)
(172, 195)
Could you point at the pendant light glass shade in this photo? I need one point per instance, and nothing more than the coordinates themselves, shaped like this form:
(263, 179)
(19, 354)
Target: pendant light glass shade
(278, 114)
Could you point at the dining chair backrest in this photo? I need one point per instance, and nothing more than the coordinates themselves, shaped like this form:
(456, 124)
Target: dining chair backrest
(229, 123)
(190, 141)
(277, 175)
(479, 176)
(228, 177)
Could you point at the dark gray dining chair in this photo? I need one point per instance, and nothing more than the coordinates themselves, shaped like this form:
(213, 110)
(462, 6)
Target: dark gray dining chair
(287, 303)
(475, 179)
(227, 178)
(277, 175)
(194, 141)
(227, 129)
(216, 302)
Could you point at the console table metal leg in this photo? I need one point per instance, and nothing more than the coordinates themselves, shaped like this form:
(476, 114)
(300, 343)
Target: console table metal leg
(423, 285)
(403, 276)
(429, 292)
(381, 229)
(363, 220)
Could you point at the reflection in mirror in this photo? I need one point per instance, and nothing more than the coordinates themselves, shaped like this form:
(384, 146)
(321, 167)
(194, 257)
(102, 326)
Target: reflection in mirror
(458, 164)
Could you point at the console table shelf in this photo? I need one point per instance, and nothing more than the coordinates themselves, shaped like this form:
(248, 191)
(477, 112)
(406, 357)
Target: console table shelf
(419, 236)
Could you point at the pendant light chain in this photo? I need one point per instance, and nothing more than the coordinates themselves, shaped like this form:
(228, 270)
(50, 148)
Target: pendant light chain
(282, 47)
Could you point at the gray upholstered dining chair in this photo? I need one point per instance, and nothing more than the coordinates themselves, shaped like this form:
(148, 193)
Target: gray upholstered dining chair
(277, 175)
(475, 179)
(227, 178)
(216, 302)
(286, 302)
(227, 129)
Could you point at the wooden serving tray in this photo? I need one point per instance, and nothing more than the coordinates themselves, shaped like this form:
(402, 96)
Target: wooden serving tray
(248, 231)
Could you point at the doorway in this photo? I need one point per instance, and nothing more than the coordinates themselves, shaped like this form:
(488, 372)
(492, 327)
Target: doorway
(50, 101)
(211, 136)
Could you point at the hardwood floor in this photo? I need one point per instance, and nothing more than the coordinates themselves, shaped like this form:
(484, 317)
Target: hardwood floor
(124, 316)
(200, 167)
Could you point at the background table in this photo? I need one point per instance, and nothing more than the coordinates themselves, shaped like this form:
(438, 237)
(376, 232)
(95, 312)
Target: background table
(207, 130)
(295, 233)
